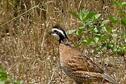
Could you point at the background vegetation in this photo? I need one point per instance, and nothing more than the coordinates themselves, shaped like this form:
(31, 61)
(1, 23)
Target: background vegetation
(29, 54)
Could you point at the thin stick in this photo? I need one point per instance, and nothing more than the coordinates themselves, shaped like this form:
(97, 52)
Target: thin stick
(19, 15)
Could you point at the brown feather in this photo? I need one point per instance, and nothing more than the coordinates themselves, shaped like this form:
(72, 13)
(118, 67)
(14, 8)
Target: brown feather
(78, 66)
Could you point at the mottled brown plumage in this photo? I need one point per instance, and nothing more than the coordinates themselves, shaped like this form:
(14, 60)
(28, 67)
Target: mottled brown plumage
(77, 66)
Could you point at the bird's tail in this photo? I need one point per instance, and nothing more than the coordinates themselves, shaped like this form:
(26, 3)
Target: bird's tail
(109, 78)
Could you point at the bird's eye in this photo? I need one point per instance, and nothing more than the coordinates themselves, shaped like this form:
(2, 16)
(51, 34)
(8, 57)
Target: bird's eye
(55, 31)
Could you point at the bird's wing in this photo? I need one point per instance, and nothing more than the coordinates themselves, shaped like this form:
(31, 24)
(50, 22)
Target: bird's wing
(83, 63)
(84, 67)
(85, 75)
(92, 76)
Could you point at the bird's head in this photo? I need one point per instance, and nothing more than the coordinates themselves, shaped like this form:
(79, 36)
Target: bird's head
(59, 33)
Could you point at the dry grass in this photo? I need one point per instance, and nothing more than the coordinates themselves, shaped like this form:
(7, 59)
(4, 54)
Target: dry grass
(29, 53)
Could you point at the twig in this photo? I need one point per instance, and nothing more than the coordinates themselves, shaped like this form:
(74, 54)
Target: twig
(51, 78)
(19, 15)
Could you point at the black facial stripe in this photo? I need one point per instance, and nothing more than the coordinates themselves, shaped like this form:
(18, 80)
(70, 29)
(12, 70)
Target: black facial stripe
(60, 35)
(57, 32)
(59, 28)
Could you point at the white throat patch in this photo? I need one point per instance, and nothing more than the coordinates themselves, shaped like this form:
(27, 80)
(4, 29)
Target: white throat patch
(55, 35)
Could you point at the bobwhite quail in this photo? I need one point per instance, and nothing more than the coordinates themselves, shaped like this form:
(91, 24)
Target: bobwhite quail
(74, 64)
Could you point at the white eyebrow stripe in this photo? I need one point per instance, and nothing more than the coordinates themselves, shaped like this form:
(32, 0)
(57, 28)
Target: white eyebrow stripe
(58, 31)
